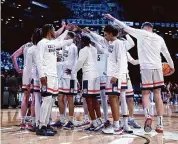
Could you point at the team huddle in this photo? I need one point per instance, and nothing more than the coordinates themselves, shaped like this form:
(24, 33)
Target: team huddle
(51, 63)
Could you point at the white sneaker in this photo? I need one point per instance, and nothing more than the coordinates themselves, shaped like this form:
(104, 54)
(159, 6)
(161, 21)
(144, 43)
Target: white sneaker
(118, 130)
(108, 130)
(127, 129)
(99, 127)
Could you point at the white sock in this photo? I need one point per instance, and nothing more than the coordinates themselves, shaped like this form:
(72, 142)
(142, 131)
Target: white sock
(94, 122)
(23, 119)
(160, 121)
(116, 124)
(86, 118)
(147, 112)
(131, 118)
(62, 118)
(104, 103)
(125, 121)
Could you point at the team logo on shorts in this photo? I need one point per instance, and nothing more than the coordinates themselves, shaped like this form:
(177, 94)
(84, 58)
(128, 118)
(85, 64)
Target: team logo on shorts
(115, 89)
(85, 91)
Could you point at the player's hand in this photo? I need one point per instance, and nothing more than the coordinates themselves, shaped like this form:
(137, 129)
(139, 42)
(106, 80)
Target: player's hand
(63, 23)
(108, 16)
(113, 80)
(68, 71)
(172, 70)
(86, 30)
(43, 81)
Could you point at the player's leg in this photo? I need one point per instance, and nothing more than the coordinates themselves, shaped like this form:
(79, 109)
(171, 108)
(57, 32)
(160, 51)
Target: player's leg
(130, 103)
(158, 83)
(45, 109)
(37, 107)
(70, 87)
(147, 84)
(85, 107)
(113, 90)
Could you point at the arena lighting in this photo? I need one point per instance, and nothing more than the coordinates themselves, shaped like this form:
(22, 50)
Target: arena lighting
(170, 34)
(12, 16)
(20, 20)
(19, 5)
(39, 4)
(3, 0)
(166, 33)
(170, 31)
(8, 19)
(41, 15)
(157, 31)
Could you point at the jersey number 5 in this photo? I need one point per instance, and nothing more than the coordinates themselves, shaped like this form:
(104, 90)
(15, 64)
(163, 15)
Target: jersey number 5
(98, 57)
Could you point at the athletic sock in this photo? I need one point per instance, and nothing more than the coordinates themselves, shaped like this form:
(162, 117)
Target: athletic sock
(62, 118)
(22, 119)
(147, 112)
(125, 121)
(116, 124)
(160, 121)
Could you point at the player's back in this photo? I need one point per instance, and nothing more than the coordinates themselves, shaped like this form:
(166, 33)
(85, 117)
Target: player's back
(149, 49)
(89, 68)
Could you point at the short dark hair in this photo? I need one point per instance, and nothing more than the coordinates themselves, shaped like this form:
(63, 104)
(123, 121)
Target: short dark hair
(71, 34)
(85, 41)
(37, 36)
(148, 24)
(46, 29)
(111, 29)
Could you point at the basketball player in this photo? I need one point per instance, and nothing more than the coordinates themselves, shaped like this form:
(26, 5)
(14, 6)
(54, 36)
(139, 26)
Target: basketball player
(112, 46)
(25, 82)
(125, 45)
(46, 65)
(68, 85)
(150, 45)
(31, 66)
(87, 61)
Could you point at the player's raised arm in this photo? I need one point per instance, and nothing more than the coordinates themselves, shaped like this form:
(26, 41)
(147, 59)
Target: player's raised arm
(59, 31)
(132, 31)
(14, 57)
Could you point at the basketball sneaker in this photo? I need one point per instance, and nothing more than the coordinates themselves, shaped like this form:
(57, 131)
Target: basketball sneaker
(133, 123)
(68, 126)
(31, 127)
(90, 128)
(57, 124)
(84, 123)
(22, 126)
(45, 132)
(107, 124)
(50, 128)
(147, 126)
(127, 129)
(159, 129)
(99, 127)
(117, 130)
(108, 129)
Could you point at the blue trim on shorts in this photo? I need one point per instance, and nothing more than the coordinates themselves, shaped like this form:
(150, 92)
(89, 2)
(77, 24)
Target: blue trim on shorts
(112, 93)
(102, 87)
(124, 87)
(129, 96)
(95, 95)
(65, 93)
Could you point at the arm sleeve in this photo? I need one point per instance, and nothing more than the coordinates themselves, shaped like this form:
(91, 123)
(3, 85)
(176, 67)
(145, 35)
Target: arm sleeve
(129, 43)
(39, 60)
(166, 54)
(131, 60)
(132, 31)
(59, 31)
(62, 43)
(83, 54)
(97, 37)
(15, 55)
(62, 36)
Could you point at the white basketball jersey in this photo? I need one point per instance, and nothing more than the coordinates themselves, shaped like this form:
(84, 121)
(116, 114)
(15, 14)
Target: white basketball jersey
(102, 64)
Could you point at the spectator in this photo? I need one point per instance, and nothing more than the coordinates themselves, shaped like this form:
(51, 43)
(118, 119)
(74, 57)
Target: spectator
(2, 87)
